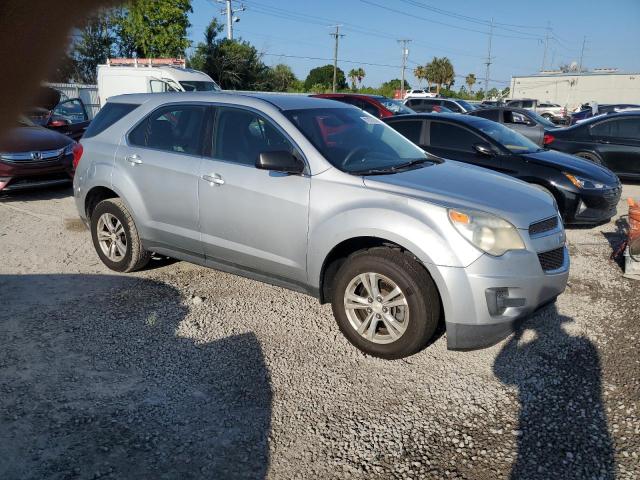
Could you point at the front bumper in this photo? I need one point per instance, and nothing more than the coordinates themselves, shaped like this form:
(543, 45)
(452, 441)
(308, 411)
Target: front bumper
(592, 206)
(19, 176)
(483, 301)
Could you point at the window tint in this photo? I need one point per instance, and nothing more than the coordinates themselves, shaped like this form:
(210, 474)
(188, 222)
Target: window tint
(107, 116)
(515, 117)
(410, 129)
(241, 135)
(488, 114)
(620, 128)
(173, 129)
(452, 106)
(412, 103)
(446, 135)
(527, 104)
(367, 107)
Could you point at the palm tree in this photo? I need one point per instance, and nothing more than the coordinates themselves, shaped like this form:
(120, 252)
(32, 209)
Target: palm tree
(360, 75)
(420, 72)
(440, 71)
(470, 80)
(353, 76)
(448, 74)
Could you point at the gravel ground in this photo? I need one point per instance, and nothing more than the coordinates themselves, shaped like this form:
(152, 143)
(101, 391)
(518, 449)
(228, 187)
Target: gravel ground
(183, 372)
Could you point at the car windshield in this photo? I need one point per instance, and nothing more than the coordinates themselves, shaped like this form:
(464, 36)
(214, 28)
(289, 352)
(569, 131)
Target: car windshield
(508, 138)
(398, 108)
(540, 119)
(199, 86)
(355, 141)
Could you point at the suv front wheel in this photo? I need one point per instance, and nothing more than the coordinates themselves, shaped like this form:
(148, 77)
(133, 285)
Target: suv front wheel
(385, 303)
(115, 237)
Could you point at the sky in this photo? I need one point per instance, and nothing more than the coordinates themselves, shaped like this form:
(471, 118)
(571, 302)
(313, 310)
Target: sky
(292, 31)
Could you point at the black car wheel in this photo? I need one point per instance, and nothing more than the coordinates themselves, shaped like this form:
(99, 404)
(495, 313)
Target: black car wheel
(592, 157)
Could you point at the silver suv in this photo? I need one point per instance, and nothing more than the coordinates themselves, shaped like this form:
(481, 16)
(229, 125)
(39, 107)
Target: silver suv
(320, 197)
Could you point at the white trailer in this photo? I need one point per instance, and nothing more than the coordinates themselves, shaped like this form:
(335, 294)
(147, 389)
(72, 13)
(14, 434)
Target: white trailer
(149, 75)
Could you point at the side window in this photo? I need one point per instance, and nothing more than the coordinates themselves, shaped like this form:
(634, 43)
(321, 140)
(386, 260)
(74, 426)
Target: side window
(173, 129)
(70, 112)
(527, 104)
(412, 103)
(107, 116)
(446, 135)
(410, 129)
(452, 106)
(489, 114)
(515, 117)
(629, 128)
(604, 129)
(367, 107)
(241, 135)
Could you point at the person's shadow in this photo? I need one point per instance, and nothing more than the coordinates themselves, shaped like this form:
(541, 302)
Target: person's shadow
(100, 377)
(563, 430)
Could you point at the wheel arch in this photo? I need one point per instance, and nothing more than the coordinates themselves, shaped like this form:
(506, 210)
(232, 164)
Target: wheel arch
(94, 196)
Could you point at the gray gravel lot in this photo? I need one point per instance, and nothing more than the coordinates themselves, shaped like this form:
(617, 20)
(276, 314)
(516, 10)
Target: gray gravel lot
(183, 372)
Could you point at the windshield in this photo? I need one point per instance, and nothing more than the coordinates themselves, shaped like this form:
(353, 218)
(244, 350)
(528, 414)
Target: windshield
(199, 86)
(541, 120)
(513, 141)
(398, 108)
(355, 141)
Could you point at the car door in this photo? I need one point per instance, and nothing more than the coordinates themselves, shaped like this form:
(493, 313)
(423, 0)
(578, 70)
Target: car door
(411, 129)
(158, 166)
(69, 118)
(456, 142)
(252, 219)
(617, 141)
(521, 123)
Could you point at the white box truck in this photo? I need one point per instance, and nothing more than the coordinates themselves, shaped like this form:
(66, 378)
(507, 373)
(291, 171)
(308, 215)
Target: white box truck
(149, 75)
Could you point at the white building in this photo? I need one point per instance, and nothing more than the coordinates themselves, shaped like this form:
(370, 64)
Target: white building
(573, 89)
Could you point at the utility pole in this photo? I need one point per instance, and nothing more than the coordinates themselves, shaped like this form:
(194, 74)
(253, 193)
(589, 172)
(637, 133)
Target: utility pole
(405, 55)
(336, 35)
(584, 41)
(546, 46)
(229, 12)
(488, 62)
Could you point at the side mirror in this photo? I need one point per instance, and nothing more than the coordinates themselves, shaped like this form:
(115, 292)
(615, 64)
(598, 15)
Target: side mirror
(484, 149)
(280, 161)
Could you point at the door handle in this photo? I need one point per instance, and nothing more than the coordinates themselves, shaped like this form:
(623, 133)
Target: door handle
(134, 159)
(214, 179)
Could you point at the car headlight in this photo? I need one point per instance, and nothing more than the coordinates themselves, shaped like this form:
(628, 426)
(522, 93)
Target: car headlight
(68, 150)
(584, 183)
(489, 233)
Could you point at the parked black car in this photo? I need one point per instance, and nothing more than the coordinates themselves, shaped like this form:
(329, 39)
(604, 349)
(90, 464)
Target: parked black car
(611, 140)
(587, 111)
(423, 105)
(66, 116)
(528, 123)
(586, 193)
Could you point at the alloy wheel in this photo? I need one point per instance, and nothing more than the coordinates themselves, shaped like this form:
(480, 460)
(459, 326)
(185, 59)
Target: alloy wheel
(111, 237)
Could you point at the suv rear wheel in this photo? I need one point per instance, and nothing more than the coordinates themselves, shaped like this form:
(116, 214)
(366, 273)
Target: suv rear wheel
(115, 237)
(385, 303)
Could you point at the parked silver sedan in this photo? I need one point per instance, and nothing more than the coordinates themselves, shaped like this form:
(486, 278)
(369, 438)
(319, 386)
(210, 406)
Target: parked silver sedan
(323, 198)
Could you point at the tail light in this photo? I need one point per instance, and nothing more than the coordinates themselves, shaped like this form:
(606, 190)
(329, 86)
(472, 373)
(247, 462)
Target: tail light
(547, 139)
(77, 154)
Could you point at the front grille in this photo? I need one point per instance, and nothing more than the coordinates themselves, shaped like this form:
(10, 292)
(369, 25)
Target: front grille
(543, 226)
(33, 157)
(551, 260)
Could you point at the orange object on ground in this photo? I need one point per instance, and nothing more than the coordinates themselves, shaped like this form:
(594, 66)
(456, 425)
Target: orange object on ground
(634, 219)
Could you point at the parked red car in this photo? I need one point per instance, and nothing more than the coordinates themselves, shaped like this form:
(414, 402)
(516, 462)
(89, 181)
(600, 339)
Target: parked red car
(376, 105)
(66, 116)
(33, 156)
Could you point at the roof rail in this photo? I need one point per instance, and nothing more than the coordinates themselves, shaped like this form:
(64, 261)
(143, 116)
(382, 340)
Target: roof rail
(147, 62)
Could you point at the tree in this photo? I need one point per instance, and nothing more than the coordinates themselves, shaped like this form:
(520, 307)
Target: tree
(440, 71)
(388, 89)
(94, 47)
(234, 64)
(282, 78)
(353, 76)
(470, 80)
(154, 28)
(324, 76)
(360, 74)
(493, 93)
(420, 72)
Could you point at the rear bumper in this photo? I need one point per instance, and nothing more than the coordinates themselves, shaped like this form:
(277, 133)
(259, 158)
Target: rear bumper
(483, 301)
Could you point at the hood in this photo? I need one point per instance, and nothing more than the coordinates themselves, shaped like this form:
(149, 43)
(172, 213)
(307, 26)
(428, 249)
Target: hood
(47, 98)
(574, 165)
(29, 139)
(459, 185)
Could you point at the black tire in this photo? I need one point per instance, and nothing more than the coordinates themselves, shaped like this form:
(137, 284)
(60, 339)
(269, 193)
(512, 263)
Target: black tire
(136, 257)
(416, 284)
(589, 156)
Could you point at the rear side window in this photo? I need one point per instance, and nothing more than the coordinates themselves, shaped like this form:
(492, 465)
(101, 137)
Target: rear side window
(447, 135)
(488, 114)
(107, 116)
(527, 104)
(620, 128)
(454, 107)
(410, 129)
(177, 128)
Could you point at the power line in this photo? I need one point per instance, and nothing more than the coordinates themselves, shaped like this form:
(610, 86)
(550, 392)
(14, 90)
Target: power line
(336, 36)
(488, 63)
(405, 55)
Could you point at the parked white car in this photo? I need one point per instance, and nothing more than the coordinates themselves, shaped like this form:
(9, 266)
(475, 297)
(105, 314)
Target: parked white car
(123, 76)
(419, 93)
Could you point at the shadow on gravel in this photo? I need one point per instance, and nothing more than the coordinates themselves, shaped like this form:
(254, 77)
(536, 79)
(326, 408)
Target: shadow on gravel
(31, 194)
(96, 381)
(563, 427)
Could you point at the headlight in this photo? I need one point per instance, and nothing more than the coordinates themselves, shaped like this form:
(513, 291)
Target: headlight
(68, 150)
(487, 232)
(583, 182)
